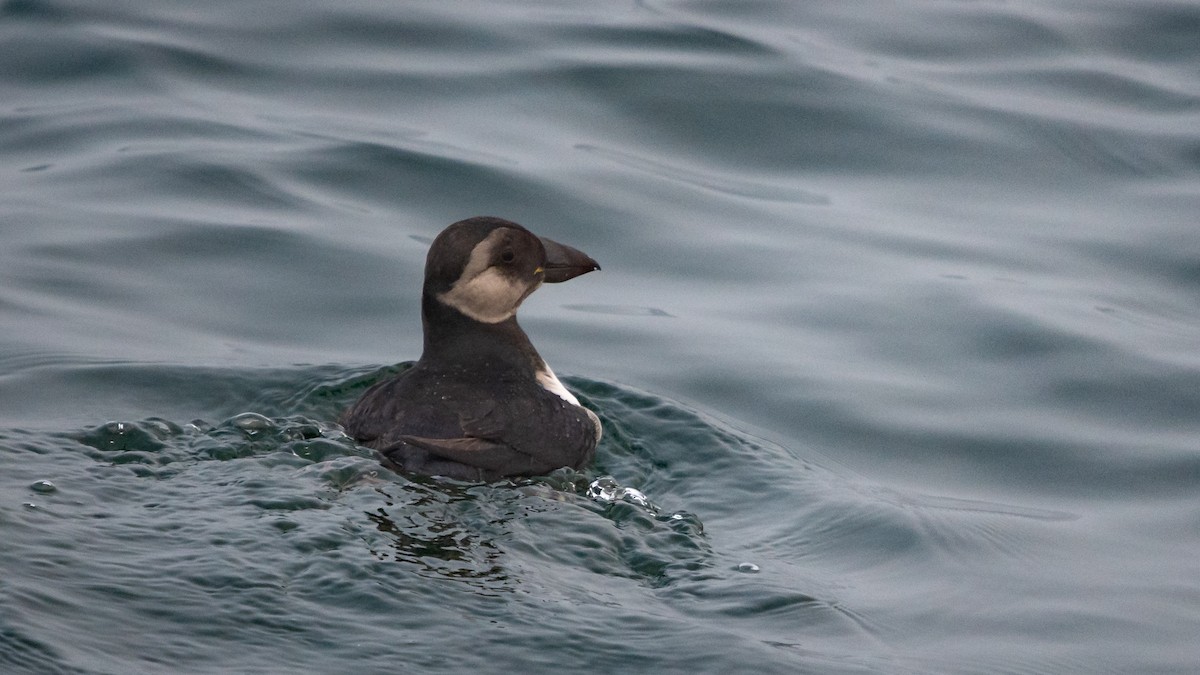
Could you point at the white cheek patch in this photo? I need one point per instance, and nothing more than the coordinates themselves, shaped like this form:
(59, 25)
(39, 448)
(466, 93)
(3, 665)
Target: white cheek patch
(490, 297)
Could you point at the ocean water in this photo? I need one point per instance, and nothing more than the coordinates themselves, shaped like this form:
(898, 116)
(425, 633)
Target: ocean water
(896, 342)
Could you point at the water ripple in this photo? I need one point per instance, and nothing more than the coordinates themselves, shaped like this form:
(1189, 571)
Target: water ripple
(698, 179)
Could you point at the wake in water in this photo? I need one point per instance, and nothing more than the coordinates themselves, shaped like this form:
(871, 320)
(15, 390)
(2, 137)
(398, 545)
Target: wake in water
(289, 460)
(276, 516)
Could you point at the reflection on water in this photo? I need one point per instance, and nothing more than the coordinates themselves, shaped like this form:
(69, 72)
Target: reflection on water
(424, 534)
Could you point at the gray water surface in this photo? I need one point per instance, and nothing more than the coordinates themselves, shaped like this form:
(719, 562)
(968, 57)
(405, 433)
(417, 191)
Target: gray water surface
(896, 342)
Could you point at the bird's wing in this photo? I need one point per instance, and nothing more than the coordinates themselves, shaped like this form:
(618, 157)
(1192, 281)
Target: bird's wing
(477, 452)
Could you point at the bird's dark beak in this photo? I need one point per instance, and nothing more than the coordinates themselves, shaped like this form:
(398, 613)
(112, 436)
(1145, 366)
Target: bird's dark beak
(564, 262)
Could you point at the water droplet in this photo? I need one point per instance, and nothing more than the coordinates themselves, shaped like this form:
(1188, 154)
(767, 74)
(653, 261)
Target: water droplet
(606, 489)
(635, 496)
(603, 489)
(44, 487)
(747, 567)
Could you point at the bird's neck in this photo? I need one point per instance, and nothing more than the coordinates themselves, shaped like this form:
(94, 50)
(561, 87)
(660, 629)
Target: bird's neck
(458, 341)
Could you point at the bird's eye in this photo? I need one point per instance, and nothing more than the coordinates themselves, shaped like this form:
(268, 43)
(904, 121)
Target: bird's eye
(507, 256)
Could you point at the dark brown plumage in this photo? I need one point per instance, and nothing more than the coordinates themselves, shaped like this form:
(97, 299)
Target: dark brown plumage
(480, 404)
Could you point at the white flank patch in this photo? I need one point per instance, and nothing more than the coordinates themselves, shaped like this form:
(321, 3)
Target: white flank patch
(550, 383)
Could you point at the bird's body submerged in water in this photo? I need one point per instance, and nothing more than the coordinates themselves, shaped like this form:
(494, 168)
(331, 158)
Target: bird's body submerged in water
(480, 404)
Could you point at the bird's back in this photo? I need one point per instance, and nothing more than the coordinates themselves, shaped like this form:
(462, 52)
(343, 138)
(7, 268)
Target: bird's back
(457, 424)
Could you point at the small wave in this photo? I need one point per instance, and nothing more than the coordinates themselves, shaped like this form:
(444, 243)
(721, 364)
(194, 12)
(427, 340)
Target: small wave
(730, 186)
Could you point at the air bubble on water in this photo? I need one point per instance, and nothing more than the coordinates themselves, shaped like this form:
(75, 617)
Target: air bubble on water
(635, 496)
(606, 489)
(253, 423)
(44, 487)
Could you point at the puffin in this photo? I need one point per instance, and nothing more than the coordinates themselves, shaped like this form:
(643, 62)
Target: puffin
(480, 404)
